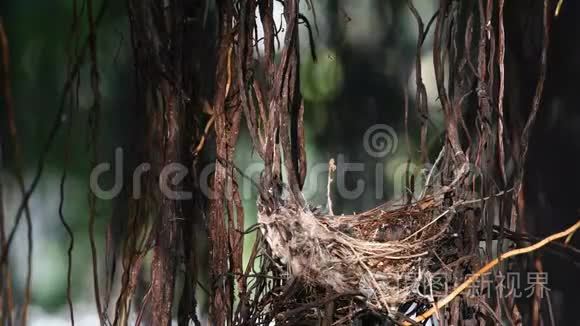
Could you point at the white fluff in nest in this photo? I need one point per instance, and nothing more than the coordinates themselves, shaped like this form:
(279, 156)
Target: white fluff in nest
(317, 253)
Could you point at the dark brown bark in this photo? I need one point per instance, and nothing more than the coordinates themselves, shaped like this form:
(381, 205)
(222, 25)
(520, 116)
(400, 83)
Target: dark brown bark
(166, 123)
(221, 287)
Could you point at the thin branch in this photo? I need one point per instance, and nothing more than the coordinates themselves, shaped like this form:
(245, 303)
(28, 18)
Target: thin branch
(9, 104)
(512, 253)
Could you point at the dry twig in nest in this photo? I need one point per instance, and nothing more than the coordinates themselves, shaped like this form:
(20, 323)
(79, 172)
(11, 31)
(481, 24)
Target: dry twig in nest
(382, 254)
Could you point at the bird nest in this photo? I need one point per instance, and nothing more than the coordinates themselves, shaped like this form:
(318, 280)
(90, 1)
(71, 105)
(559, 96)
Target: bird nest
(384, 254)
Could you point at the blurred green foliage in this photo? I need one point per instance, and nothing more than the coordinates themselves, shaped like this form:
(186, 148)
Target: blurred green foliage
(322, 80)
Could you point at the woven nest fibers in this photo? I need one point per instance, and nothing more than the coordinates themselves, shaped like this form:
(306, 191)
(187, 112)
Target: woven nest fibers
(385, 254)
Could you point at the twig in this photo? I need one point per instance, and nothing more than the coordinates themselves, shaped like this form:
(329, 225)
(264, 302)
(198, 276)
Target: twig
(562, 249)
(50, 140)
(433, 168)
(206, 130)
(307, 306)
(7, 303)
(558, 8)
(9, 105)
(512, 253)
(500, 129)
(331, 170)
(63, 220)
(421, 91)
(452, 208)
(380, 293)
(539, 87)
(428, 224)
(94, 132)
(76, 16)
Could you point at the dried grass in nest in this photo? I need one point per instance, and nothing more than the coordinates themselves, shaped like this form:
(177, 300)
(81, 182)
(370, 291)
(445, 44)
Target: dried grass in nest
(373, 253)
